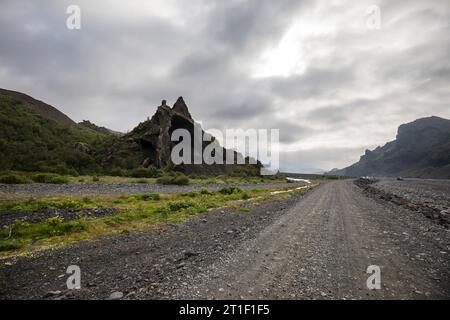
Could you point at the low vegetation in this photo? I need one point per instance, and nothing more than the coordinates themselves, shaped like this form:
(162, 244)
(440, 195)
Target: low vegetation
(146, 173)
(14, 179)
(50, 178)
(30, 142)
(135, 212)
(174, 179)
(148, 177)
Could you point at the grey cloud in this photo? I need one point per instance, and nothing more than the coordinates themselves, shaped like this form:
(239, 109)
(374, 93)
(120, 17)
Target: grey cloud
(246, 23)
(314, 82)
(117, 69)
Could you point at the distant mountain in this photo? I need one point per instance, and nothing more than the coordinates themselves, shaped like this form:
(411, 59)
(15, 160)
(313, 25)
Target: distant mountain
(421, 149)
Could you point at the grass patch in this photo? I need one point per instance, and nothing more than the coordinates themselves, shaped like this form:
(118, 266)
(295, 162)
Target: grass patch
(21, 231)
(14, 179)
(50, 178)
(45, 204)
(10, 245)
(147, 197)
(205, 191)
(191, 194)
(135, 212)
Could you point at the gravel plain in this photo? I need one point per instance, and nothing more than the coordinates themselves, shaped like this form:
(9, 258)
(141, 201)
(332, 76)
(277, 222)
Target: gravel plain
(37, 190)
(316, 245)
(430, 192)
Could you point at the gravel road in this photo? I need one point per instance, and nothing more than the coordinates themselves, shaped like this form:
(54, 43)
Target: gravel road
(312, 246)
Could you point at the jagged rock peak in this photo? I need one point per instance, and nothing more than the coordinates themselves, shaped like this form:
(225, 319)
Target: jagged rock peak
(181, 107)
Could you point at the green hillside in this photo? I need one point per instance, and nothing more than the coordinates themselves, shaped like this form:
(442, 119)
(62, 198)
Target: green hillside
(36, 137)
(30, 142)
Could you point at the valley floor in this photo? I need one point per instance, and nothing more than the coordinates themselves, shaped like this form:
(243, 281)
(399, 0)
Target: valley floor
(316, 245)
(23, 191)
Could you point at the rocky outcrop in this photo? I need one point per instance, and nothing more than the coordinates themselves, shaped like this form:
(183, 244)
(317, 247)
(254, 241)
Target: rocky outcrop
(86, 124)
(181, 108)
(421, 149)
(151, 140)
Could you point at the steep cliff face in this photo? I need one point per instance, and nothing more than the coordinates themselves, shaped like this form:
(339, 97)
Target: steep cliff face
(421, 149)
(150, 143)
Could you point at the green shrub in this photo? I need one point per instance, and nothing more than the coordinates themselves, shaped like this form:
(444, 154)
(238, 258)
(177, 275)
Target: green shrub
(178, 205)
(117, 172)
(148, 197)
(146, 173)
(191, 194)
(95, 179)
(55, 221)
(230, 190)
(56, 227)
(142, 181)
(205, 191)
(87, 200)
(196, 209)
(10, 245)
(50, 178)
(14, 179)
(245, 196)
(179, 179)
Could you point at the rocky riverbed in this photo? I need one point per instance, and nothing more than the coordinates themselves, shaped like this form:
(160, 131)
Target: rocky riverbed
(428, 197)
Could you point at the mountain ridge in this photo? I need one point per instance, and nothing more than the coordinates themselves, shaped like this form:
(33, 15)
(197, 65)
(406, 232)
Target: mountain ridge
(35, 136)
(39, 107)
(421, 149)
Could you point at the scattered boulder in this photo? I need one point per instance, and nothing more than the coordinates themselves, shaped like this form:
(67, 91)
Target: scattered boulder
(117, 295)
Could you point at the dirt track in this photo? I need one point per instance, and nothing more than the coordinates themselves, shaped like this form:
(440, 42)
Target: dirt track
(316, 246)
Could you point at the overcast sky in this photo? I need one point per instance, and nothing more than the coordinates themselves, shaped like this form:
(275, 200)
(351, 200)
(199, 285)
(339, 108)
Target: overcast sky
(313, 69)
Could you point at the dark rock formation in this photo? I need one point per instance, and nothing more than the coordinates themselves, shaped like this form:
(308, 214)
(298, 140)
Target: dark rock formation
(421, 149)
(152, 138)
(181, 107)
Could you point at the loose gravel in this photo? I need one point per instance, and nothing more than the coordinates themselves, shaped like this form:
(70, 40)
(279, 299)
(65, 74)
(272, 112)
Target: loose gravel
(102, 189)
(313, 246)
